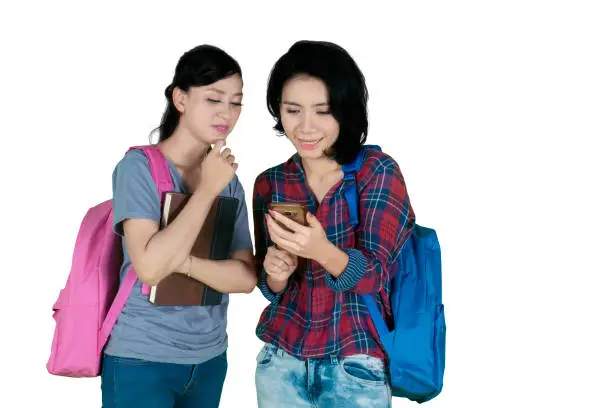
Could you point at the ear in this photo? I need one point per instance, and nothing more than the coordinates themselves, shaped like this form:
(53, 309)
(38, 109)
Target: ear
(179, 98)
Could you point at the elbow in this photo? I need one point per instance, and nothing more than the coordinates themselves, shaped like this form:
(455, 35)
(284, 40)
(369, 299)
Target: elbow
(150, 271)
(250, 284)
(243, 283)
(148, 281)
(147, 275)
(250, 280)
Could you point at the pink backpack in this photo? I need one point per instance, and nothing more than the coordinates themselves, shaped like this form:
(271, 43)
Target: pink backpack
(88, 306)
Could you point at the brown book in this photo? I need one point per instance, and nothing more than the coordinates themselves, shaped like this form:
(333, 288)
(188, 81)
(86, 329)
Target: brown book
(213, 242)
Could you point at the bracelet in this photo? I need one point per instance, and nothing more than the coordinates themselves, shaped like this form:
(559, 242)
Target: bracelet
(189, 269)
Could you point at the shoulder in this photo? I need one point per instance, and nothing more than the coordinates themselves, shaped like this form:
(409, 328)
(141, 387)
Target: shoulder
(377, 163)
(133, 172)
(133, 162)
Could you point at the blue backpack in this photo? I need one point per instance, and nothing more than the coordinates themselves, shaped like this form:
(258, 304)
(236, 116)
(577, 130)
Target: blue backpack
(416, 345)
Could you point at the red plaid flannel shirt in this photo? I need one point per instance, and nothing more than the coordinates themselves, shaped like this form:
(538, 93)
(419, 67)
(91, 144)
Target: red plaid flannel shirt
(318, 315)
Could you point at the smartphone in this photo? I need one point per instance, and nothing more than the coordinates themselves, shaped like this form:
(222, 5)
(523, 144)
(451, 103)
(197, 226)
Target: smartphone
(294, 211)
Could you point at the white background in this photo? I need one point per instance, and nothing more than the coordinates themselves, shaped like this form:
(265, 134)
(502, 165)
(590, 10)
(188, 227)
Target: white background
(499, 114)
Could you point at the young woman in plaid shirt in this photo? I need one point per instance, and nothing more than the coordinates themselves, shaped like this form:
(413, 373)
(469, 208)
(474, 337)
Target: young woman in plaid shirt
(321, 346)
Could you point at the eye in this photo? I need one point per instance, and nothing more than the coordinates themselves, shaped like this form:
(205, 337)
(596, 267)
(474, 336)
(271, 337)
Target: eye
(213, 100)
(237, 103)
(292, 111)
(324, 112)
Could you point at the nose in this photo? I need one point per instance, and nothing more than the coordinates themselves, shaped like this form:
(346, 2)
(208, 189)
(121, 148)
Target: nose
(306, 124)
(224, 110)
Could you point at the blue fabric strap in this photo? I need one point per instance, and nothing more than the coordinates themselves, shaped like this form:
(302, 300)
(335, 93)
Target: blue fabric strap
(351, 195)
(379, 323)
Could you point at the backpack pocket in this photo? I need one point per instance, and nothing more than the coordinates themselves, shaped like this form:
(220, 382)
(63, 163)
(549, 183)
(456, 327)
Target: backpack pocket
(74, 351)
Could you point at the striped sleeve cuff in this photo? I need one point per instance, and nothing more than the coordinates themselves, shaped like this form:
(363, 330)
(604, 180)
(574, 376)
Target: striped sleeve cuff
(354, 271)
(266, 291)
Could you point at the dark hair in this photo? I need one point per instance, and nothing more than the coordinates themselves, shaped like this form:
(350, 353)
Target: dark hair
(200, 66)
(348, 94)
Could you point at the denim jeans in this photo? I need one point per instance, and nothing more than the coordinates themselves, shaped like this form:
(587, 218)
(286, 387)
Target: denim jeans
(134, 383)
(355, 381)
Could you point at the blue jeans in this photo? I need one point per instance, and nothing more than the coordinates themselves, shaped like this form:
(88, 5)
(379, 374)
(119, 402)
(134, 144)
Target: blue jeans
(133, 383)
(355, 381)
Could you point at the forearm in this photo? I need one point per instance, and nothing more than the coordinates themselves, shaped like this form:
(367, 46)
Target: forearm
(270, 288)
(170, 246)
(276, 286)
(333, 259)
(227, 276)
(386, 220)
(352, 270)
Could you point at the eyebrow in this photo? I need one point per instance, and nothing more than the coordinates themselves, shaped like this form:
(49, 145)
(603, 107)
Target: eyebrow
(297, 104)
(222, 92)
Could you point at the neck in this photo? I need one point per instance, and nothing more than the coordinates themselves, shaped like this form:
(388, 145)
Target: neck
(183, 149)
(320, 167)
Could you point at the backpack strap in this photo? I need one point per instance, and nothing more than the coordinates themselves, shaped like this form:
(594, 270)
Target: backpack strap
(163, 180)
(115, 309)
(159, 168)
(379, 322)
(351, 195)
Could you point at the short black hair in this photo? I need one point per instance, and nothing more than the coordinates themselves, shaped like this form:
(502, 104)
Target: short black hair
(348, 94)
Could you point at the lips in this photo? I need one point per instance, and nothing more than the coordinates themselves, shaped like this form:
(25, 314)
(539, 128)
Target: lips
(221, 128)
(309, 144)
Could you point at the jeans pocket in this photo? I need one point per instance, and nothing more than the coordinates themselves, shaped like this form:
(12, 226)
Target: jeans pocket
(128, 361)
(264, 358)
(364, 369)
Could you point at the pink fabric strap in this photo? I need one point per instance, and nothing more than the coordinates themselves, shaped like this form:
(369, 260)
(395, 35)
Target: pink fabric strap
(161, 176)
(115, 309)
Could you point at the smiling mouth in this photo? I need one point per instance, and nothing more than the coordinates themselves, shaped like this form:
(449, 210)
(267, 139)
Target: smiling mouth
(309, 144)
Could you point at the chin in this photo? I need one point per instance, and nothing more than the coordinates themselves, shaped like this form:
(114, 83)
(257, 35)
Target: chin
(311, 154)
(212, 138)
(316, 153)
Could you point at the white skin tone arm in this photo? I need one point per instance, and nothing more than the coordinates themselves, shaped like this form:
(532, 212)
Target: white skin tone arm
(156, 253)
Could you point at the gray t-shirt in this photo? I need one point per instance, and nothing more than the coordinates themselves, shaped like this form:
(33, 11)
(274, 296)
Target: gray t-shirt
(170, 334)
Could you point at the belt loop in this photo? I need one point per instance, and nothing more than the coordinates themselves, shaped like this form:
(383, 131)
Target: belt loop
(333, 359)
